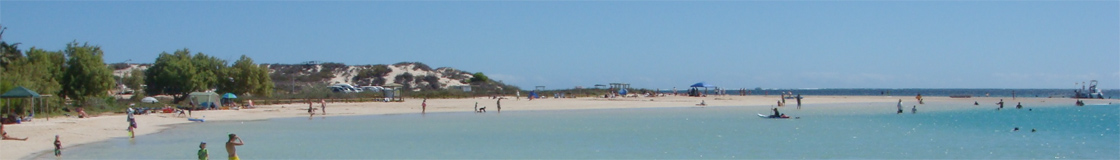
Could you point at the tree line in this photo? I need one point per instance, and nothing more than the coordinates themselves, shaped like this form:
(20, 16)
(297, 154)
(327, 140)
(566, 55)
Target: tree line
(78, 73)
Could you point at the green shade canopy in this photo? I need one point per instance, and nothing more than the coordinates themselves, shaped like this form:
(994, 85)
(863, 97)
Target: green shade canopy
(20, 92)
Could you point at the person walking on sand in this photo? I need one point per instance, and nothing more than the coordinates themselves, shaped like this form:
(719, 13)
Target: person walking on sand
(310, 109)
(899, 106)
(476, 107)
(231, 146)
(203, 154)
(323, 106)
(57, 147)
(518, 95)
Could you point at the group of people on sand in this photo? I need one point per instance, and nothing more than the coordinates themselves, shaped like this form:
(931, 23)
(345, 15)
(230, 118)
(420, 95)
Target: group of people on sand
(483, 109)
(311, 107)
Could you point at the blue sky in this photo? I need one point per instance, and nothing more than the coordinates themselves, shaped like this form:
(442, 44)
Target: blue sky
(747, 44)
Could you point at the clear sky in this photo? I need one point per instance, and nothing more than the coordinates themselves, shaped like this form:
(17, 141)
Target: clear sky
(737, 44)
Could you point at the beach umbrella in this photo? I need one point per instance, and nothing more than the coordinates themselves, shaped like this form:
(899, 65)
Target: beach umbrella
(149, 100)
(229, 96)
(702, 84)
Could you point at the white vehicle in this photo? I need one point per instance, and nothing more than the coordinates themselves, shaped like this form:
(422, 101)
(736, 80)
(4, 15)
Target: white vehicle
(372, 88)
(344, 88)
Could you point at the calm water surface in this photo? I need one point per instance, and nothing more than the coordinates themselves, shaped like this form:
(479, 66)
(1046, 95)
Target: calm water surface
(673, 133)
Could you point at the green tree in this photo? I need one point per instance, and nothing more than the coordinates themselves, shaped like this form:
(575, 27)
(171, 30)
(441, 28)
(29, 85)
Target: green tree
(8, 52)
(479, 78)
(135, 81)
(247, 77)
(86, 74)
(178, 74)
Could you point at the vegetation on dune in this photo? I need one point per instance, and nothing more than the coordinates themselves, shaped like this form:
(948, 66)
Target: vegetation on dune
(78, 77)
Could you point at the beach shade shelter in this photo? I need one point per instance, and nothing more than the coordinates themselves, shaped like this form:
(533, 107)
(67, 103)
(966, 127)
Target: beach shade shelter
(149, 100)
(204, 99)
(20, 92)
(702, 85)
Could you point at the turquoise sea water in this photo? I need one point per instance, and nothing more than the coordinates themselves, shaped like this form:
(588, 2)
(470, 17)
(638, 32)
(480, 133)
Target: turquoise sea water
(672, 133)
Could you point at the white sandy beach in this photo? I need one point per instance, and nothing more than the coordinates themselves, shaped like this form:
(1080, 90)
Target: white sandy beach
(74, 131)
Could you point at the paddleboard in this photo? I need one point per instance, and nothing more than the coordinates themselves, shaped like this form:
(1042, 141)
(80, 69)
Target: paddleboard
(196, 119)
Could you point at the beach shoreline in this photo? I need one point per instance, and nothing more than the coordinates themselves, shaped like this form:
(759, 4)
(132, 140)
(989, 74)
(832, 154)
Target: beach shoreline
(75, 132)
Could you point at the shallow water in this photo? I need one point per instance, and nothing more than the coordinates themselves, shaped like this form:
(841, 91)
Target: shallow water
(671, 133)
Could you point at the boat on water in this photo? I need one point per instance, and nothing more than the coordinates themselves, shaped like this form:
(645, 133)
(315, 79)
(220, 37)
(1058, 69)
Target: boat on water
(1091, 92)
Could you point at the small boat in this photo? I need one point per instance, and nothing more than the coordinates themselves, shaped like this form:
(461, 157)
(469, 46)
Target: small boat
(1092, 92)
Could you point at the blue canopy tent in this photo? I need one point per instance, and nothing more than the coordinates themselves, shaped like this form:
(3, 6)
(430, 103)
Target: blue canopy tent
(695, 91)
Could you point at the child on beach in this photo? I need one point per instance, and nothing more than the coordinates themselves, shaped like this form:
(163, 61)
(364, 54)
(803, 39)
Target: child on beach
(57, 147)
(203, 154)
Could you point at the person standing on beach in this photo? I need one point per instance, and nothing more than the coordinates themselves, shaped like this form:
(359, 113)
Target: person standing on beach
(914, 110)
(518, 96)
(323, 106)
(499, 105)
(798, 101)
(899, 106)
(231, 146)
(476, 107)
(132, 128)
(1019, 106)
(424, 106)
(57, 147)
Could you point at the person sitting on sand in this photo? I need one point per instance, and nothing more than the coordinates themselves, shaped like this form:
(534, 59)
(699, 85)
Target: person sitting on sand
(82, 113)
(702, 103)
(4, 134)
(975, 103)
(483, 109)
